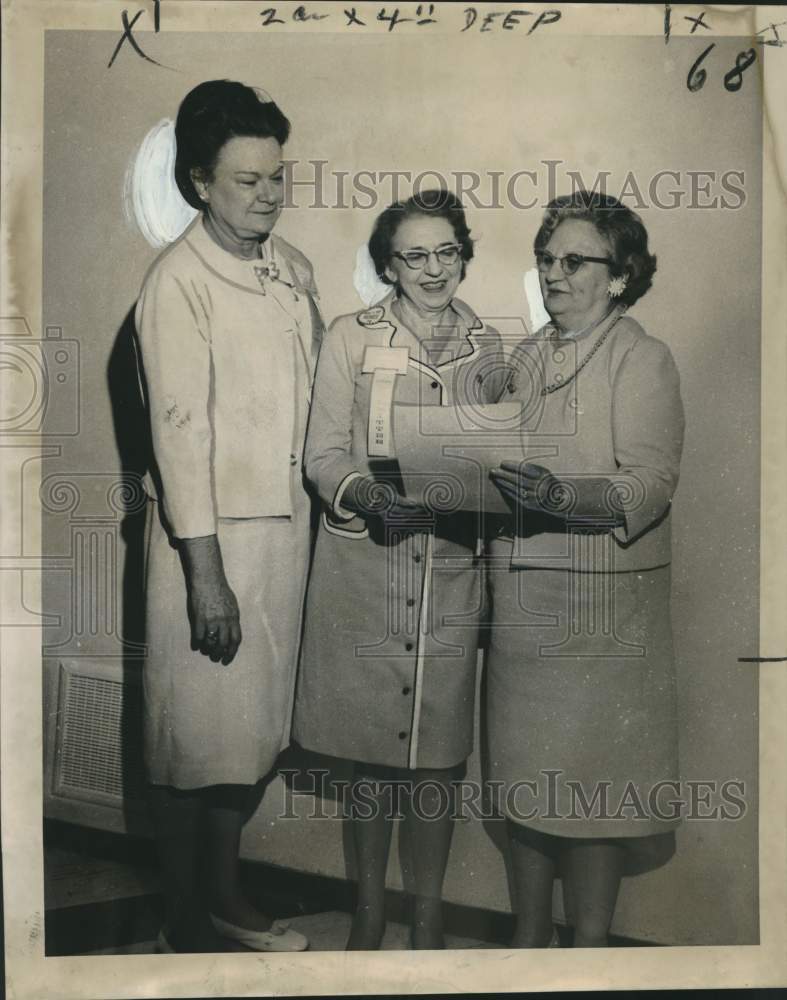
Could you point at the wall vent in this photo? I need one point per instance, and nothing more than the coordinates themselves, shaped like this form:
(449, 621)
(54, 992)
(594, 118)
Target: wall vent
(99, 744)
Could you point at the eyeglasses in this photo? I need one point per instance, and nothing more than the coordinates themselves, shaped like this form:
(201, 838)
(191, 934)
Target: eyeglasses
(570, 263)
(446, 255)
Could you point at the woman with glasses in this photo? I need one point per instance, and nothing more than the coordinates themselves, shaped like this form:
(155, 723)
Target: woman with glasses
(388, 667)
(581, 676)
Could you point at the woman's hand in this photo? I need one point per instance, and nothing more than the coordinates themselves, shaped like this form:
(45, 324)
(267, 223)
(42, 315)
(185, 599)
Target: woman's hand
(529, 487)
(213, 607)
(532, 488)
(370, 497)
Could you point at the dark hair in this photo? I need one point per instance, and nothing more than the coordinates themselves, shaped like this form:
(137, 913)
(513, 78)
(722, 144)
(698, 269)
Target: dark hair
(622, 228)
(438, 203)
(209, 116)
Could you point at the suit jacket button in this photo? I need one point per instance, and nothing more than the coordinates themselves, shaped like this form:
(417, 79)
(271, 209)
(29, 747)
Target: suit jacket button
(410, 602)
(293, 459)
(405, 690)
(403, 735)
(435, 385)
(408, 646)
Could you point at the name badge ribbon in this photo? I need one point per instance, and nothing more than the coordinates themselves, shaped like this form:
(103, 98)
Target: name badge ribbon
(384, 364)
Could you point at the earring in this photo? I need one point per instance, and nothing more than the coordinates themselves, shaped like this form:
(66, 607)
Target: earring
(617, 286)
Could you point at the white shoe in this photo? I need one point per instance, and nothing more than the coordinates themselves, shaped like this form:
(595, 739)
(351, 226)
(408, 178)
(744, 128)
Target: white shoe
(554, 941)
(279, 938)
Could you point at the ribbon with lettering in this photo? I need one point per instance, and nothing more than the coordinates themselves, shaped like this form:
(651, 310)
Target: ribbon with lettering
(384, 364)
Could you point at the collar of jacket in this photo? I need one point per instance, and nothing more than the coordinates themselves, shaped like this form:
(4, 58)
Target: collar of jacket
(382, 318)
(293, 266)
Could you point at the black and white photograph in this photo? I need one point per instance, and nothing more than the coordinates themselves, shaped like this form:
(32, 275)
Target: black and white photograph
(393, 452)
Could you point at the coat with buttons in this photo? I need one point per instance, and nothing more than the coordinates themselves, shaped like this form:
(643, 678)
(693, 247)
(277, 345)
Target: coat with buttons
(388, 663)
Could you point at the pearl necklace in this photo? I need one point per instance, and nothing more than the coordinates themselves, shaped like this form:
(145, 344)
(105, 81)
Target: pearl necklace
(560, 382)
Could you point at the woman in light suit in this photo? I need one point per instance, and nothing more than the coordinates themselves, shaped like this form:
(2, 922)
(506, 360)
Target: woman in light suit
(581, 686)
(388, 665)
(228, 331)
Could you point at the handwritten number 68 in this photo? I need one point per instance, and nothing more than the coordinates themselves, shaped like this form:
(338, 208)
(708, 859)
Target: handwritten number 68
(733, 80)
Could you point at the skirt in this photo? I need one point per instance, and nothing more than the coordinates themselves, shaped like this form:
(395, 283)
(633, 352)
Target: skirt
(581, 702)
(205, 723)
(389, 660)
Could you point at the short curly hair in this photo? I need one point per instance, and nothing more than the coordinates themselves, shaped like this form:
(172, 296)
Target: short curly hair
(436, 202)
(623, 229)
(209, 116)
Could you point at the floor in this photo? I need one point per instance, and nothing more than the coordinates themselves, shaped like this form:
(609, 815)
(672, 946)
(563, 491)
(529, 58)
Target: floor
(102, 897)
(110, 904)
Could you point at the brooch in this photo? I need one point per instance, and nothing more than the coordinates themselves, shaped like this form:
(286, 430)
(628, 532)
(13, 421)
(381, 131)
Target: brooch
(271, 270)
(267, 270)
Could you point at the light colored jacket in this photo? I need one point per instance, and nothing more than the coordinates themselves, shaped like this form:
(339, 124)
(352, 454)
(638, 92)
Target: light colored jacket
(336, 447)
(227, 354)
(388, 664)
(621, 418)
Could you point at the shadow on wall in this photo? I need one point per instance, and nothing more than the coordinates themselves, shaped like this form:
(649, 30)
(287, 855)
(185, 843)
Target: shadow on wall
(132, 436)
